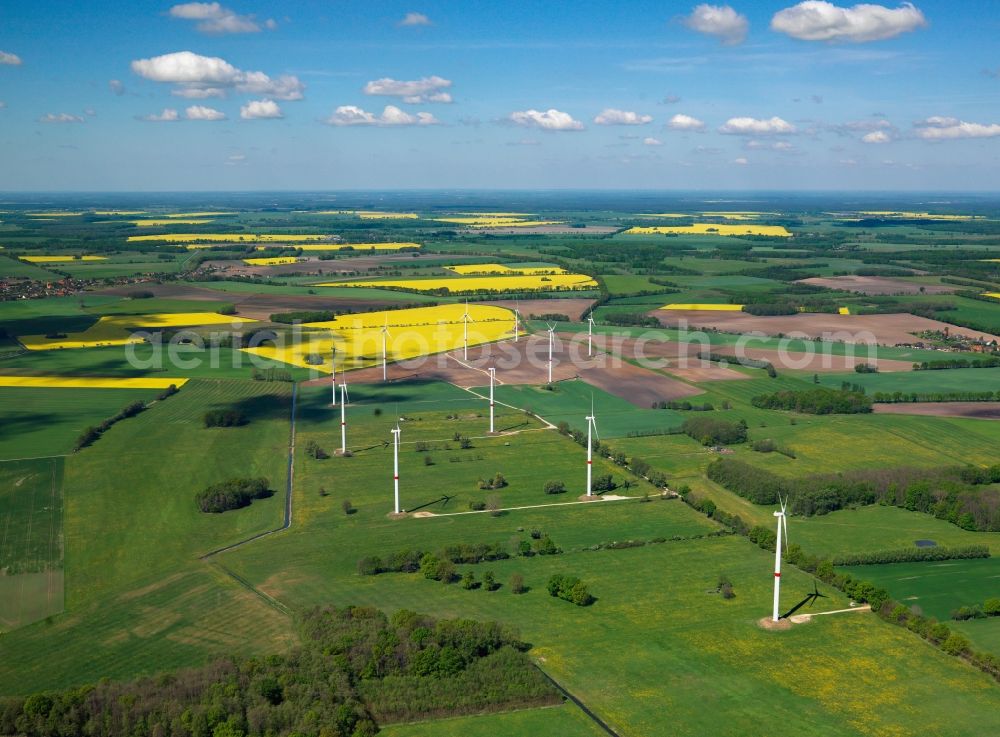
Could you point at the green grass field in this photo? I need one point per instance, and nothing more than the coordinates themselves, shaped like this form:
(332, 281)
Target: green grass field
(949, 380)
(47, 421)
(936, 587)
(31, 541)
(570, 402)
(564, 721)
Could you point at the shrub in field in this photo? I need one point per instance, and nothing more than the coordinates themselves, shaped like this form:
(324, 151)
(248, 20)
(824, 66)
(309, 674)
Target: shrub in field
(224, 418)
(232, 494)
(555, 487)
(712, 431)
(569, 588)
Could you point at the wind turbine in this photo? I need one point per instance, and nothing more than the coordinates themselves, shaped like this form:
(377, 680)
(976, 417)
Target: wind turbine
(590, 335)
(493, 378)
(395, 466)
(333, 376)
(591, 425)
(466, 319)
(385, 334)
(782, 527)
(517, 321)
(552, 328)
(343, 417)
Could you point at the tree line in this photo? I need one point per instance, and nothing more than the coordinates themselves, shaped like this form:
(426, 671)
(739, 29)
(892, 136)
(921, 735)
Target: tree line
(354, 668)
(93, 433)
(960, 495)
(815, 401)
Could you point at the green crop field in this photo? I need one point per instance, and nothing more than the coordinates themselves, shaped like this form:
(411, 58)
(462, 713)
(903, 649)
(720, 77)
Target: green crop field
(936, 587)
(570, 401)
(31, 541)
(47, 421)
(564, 721)
(948, 380)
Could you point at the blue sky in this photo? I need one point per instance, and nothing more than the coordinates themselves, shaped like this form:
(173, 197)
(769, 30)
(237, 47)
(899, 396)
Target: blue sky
(256, 95)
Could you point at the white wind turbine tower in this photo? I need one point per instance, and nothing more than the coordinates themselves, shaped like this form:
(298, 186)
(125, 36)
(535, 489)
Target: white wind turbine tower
(591, 425)
(395, 466)
(466, 319)
(590, 335)
(552, 329)
(385, 335)
(333, 377)
(782, 527)
(343, 417)
(493, 378)
(517, 321)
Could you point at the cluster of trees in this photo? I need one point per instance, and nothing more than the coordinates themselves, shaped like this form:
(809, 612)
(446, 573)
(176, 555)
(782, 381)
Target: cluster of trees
(958, 363)
(630, 319)
(959, 495)
(990, 608)
(766, 445)
(865, 368)
(815, 401)
(771, 308)
(712, 431)
(313, 450)
(497, 482)
(93, 433)
(569, 588)
(355, 667)
(742, 361)
(902, 397)
(271, 374)
(224, 418)
(411, 561)
(232, 494)
(685, 406)
(289, 318)
(912, 555)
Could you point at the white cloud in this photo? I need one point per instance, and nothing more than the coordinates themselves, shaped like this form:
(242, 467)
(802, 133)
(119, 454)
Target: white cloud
(169, 115)
(90, 112)
(757, 127)
(194, 74)
(425, 89)
(2, 104)
(260, 110)
(783, 146)
(10, 59)
(214, 18)
(60, 118)
(235, 159)
(671, 99)
(652, 141)
(550, 120)
(681, 122)
(611, 116)
(818, 20)
(117, 87)
(200, 112)
(720, 21)
(415, 19)
(938, 128)
(198, 93)
(353, 115)
(876, 137)
(742, 161)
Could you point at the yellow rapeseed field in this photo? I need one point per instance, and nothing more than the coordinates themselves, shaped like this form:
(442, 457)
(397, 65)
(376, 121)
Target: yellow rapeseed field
(480, 283)
(271, 261)
(168, 221)
(58, 259)
(226, 238)
(415, 332)
(705, 307)
(843, 310)
(373, 215)
(994, 295)
(711, 229)
(116, 329)
(504, 269)
(89, 382)
(119, 213)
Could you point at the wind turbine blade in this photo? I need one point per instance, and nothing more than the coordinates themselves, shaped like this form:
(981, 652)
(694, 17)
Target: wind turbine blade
(596, 435)
(784, 525)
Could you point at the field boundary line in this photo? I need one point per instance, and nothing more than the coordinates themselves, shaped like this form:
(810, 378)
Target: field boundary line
(583, 707)
(34, 458)
(431, 515)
